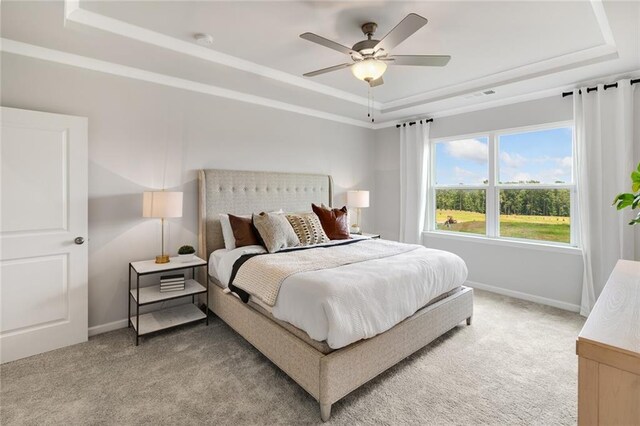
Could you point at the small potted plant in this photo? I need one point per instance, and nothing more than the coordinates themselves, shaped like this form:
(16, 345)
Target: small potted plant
(186, 253)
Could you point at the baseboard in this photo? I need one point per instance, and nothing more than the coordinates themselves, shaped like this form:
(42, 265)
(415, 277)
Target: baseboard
(110, 326)
(525, 296)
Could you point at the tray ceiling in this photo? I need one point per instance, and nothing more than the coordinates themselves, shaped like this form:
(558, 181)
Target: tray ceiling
(514, 48)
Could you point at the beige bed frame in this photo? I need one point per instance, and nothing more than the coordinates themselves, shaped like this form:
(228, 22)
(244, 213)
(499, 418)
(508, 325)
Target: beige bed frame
(326, 377)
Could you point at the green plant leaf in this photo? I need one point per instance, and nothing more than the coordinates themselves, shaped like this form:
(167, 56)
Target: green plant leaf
(635, 179)
(623, 200)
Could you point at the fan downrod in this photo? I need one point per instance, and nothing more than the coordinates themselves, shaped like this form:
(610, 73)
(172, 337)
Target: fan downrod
(369, 29)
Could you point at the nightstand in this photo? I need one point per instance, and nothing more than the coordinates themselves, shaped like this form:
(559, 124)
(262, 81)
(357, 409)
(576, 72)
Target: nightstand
(370, 236)
(174, 316)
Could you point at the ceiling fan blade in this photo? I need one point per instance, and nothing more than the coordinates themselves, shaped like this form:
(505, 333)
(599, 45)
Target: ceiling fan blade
(419, 60)
(326, 70)
(330, 44)
(409, 25)
(377, 82)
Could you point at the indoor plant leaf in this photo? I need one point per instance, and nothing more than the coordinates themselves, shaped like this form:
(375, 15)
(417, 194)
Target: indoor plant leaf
(623, 200)
(635, 179)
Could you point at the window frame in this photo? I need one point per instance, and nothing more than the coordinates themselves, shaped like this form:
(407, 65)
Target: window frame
(493, 187)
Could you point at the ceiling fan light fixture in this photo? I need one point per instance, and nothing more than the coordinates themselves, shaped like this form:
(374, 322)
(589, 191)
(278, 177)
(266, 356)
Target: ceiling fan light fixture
(368, 69)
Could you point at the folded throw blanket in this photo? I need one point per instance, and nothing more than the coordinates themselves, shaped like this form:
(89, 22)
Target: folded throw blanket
(261, 275)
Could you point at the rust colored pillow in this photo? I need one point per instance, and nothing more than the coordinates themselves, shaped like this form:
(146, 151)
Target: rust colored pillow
(244, 232)
(334, 222)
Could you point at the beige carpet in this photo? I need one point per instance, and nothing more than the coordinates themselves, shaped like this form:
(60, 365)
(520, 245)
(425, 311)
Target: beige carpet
(515, 365)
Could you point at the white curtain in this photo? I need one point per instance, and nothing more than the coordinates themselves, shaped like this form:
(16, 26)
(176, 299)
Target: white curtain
(606, 153)
(413, 181)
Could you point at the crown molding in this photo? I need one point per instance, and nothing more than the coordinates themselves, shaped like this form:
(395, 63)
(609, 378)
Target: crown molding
(546, 93)
(515, 75)
(532, 96)
(603, 22)
(51, 55)
(606, 51)
(74, 14)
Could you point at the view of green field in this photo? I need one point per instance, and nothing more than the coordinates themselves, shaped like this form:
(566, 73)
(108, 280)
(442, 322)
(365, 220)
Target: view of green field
(547, 228)
(534, 214)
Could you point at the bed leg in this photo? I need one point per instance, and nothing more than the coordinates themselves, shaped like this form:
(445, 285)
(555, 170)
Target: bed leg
(325, 411)
(469, 320)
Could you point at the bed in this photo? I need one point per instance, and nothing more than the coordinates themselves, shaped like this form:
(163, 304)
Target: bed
(326, 374)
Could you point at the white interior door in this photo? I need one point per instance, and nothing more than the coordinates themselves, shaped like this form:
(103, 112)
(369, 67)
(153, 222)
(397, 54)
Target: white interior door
(43, 209)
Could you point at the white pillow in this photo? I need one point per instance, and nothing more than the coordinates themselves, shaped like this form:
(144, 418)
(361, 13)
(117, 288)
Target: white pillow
(227, 230)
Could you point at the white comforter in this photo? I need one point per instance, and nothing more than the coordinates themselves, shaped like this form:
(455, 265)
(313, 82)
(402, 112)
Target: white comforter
(353, 302)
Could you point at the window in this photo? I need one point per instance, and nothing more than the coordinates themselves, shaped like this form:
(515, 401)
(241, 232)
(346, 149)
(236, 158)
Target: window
(462, 163)
(507, 184)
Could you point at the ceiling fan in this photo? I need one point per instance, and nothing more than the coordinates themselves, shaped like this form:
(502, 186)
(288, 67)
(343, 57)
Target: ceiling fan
(370, 57)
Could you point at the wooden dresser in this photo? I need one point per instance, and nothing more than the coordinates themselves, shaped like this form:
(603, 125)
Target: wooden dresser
(608, 348)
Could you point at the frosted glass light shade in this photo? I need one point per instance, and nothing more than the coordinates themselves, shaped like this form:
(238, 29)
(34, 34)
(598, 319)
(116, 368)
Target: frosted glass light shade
(162, 204)
(368, 69)
(358, 199)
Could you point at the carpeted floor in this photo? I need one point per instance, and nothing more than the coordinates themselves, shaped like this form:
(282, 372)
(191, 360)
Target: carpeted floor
(515, 365)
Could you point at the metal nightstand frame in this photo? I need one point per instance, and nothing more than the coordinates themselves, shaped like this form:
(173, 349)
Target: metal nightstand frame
(136, 299)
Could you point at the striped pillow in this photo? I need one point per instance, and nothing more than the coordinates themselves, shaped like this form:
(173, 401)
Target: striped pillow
(308, 228)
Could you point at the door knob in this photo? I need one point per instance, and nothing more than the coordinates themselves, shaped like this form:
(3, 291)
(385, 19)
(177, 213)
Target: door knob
(79, 240)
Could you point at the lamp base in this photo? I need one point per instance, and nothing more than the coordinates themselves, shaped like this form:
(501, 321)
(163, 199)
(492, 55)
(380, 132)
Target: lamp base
(163, 258)
(355, 229)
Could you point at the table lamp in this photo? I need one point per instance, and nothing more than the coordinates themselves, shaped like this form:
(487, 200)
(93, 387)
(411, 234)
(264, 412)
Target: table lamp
(357, 200)
(162, 205)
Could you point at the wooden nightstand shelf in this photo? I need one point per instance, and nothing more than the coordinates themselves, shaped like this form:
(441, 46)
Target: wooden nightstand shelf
(169, 317)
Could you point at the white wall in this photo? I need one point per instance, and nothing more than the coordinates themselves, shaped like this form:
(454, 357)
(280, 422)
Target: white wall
(143, 136)
(543, 275)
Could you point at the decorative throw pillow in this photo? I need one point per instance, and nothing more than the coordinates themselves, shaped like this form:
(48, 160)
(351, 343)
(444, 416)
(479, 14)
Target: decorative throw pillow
(308, 228)
(276, 231)
(334, 222)
(324, 206)
(227, 231)
(244, 232)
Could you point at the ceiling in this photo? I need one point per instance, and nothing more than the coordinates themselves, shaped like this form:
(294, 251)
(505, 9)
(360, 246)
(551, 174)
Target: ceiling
(513, 48)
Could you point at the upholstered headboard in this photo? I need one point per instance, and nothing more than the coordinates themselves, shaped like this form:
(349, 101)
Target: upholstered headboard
(245, 192)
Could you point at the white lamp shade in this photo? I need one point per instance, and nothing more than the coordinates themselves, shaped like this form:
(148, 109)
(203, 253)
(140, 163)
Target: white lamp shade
(162, 204)
(368, 69)
(358, 199)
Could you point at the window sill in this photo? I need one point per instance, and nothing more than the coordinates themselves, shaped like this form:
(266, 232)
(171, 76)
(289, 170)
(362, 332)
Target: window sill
(480, 239)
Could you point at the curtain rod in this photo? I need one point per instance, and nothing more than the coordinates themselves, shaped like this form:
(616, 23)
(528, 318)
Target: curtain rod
(592, 89)
(411, 123)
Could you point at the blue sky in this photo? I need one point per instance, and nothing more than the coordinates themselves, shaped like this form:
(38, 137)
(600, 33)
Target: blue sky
(543, 155)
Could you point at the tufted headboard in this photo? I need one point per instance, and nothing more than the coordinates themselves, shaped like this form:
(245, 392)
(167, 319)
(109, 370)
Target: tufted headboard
(245, 192)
